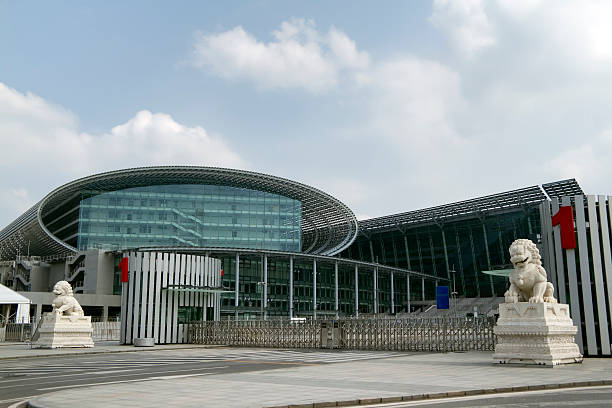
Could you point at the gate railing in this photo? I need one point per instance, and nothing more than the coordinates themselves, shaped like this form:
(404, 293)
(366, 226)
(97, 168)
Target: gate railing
(441, 334)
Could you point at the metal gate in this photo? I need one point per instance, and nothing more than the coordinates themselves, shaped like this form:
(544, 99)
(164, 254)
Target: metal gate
(440, 334)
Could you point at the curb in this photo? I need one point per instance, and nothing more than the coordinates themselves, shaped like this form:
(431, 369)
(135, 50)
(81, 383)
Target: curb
(441, 395)
(131, 350)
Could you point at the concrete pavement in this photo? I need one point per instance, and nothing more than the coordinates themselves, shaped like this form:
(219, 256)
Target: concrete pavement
(23, 350)
(389, 379)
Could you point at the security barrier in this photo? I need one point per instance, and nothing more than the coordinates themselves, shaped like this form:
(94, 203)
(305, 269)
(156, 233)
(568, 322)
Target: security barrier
(441, 334)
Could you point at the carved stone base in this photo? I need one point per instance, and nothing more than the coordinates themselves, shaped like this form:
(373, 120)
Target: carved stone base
(64, 331)
(535, 333)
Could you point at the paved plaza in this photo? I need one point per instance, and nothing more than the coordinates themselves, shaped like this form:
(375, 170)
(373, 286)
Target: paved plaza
(270, 378)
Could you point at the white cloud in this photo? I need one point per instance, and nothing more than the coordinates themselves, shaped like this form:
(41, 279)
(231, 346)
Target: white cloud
(465, 22)
(412, 102)
(587, 161)
(299, 57)
(43, 148)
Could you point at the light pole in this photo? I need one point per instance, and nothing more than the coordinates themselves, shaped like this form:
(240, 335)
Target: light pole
(454, 292)
(262, 285)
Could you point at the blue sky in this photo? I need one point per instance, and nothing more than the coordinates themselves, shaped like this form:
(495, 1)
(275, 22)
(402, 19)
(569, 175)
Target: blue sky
(388, 106)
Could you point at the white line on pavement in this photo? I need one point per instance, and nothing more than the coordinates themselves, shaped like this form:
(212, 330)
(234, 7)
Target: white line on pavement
(164, 377)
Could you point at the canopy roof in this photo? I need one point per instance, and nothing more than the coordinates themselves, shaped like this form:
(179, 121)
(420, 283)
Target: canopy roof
(10, 297)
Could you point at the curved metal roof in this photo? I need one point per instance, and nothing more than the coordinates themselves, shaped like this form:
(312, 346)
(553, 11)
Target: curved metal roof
(328, 226)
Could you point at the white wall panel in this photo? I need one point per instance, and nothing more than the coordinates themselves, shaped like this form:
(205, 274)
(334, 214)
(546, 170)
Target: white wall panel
(605, 245)
(574, 297)
(598, 274)
(163, 310)
(550, 260)
(585, 276)
(157, 304)
(559, 265)
(137, 296)
(154, 309)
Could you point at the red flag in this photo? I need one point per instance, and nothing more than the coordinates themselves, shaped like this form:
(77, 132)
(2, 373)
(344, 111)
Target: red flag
(123, 266)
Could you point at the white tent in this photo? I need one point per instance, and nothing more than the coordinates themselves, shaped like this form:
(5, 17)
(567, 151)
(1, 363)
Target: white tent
(10, 297)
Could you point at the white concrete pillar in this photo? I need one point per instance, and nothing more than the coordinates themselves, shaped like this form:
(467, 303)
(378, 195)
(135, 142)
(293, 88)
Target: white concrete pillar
(392, 295)
(314, 288)
(356, 291)
(375, 290)
(408, 293)
(422, 288)
(265, 288)
(291, 287)
(336, 287)
(237, 289)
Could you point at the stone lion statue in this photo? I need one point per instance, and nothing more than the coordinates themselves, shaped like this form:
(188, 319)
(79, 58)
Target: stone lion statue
(528, 281)
(64, 302)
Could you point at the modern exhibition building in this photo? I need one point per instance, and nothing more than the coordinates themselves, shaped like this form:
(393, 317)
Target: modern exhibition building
(290, 250)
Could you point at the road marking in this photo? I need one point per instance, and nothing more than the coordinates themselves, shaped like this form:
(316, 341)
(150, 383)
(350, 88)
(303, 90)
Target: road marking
(164, 377)
(19, 404)
(20, 399)
(29, 384)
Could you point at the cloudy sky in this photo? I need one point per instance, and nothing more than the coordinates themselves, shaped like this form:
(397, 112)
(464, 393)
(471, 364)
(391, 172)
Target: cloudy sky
(389, 106)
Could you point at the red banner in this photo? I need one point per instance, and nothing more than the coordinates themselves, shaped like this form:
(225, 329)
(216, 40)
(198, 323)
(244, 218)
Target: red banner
(123, 266)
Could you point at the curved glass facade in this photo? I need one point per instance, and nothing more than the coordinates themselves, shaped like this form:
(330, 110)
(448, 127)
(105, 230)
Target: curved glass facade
(189, 215)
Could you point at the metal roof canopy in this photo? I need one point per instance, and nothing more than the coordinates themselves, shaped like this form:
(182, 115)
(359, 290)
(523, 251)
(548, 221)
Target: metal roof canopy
(328, 226)
(569, 187)
(491, 203)
(10, 297)
(280, 254)
(197, 289)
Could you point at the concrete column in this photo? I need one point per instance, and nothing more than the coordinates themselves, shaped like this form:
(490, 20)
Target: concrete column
(291, 287)
(408, 293)
(38, 312)
(237, 288)
(356, 291)
(265, 287)
(314, 289)
(375, 290)
(422, 288)
(392, 295)
(104, 313)
(336, 287)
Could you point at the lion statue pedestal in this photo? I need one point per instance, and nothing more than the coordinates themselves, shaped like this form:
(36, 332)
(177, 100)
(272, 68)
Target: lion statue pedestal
(532, 327)
(66, 325)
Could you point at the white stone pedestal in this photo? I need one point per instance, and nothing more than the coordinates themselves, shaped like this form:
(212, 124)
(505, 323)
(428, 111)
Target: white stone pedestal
(64, 331)
(535, 333)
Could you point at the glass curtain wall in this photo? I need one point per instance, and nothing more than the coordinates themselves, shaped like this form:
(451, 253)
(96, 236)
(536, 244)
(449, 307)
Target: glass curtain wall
(470, 246)
(189, 216)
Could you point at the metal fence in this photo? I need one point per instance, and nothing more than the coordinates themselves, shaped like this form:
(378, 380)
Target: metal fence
(106, 331)
(441, 334)
(26, 332)
(16, 332)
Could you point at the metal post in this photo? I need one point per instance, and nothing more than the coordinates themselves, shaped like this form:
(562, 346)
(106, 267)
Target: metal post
(392, 295)
(408, 293)
(356, 291)
(291, 287)
(423, 288)
(236, 294)
(265, 288)
(454, 292)
(314, 289)
(336, 287)
(375, 290)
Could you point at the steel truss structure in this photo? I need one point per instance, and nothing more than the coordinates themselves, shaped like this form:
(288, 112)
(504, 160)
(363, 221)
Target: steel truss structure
(328, 226)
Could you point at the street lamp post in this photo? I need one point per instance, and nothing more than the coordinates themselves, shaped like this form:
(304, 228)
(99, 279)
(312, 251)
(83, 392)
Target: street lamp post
(263, 289)
(454, 292)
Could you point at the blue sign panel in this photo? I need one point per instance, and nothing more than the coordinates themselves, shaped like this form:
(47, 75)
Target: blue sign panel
(442, 297)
